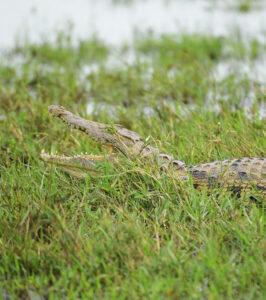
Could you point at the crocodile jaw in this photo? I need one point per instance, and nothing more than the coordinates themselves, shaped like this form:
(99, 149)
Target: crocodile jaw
(121, 139)
(78, 166)
(117, 137)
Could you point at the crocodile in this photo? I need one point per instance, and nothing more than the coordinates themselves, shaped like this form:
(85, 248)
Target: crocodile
(234, 174)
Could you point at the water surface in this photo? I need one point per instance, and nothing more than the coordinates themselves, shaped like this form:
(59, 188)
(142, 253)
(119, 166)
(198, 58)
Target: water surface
(116, 24)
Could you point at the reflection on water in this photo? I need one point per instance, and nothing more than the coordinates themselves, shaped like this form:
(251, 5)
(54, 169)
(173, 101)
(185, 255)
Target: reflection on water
(117, 23)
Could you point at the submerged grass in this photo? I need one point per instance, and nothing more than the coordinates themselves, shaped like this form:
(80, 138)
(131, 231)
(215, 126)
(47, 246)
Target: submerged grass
(126, 233)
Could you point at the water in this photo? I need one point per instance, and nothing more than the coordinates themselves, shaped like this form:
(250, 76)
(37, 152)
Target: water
(254, 70)
(34, 20)
(116, 24)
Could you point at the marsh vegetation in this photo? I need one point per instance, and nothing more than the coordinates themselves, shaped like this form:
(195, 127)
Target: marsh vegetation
(126, 233)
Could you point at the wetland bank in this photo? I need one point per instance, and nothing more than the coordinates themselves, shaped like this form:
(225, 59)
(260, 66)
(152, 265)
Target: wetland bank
(126, 233)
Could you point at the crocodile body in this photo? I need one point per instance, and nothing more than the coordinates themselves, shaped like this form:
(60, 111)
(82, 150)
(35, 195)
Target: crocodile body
(238, 174)
(235, 174)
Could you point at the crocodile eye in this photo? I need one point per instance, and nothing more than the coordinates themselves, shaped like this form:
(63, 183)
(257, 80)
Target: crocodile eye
(178, 164)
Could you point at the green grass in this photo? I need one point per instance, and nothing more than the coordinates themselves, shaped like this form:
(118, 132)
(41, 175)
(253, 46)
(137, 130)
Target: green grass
(128, 233)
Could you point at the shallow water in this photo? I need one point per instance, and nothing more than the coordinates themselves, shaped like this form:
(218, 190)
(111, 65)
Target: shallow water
(35, 19)
(255, 70)
(111, 110)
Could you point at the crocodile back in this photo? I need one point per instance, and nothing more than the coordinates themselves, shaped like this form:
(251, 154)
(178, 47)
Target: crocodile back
(236, 173)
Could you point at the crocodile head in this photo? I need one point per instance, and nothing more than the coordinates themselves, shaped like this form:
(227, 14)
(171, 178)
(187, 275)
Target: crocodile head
(124, 141)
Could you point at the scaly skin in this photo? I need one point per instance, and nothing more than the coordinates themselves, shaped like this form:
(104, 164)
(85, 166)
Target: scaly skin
(235, 174)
